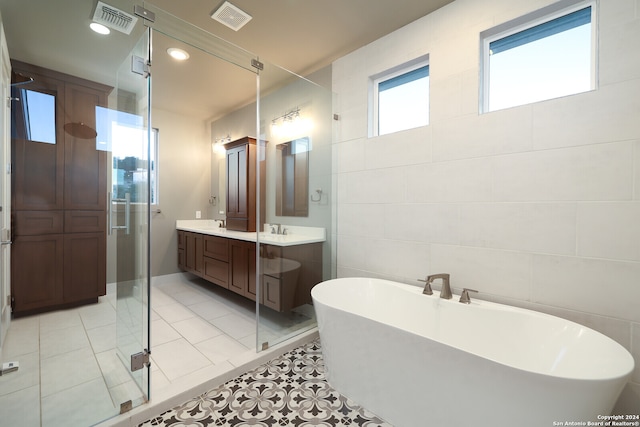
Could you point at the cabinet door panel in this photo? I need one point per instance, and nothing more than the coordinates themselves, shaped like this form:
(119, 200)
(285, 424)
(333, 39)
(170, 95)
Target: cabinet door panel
(85, 176)
(38, 165)
(181, 259)
(85, 221)
(38, 177)
(33, 223)
(193, 260)
(84, 266)
(251, 269)
(180, 239)
(233, 184)
(239, 276)
(37, 272)
(216, 247)
(271, 292)
(216, 271)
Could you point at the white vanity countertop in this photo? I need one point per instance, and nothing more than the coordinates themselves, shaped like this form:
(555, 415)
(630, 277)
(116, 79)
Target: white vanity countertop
(295, 235)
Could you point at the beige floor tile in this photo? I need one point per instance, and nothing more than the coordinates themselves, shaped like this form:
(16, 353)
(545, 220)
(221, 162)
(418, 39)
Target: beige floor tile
(21, 408)
(69, 408)
(162, 332)
(67, 370)
(178, 358)
(27, 375)
(196, 329)
(60, 341)
(221, 348)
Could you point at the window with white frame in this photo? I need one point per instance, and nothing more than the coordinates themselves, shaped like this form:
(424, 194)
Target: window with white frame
(544, 55)
(400, 98)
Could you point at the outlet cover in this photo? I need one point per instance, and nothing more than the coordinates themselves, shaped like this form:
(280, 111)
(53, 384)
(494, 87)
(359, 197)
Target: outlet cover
(198, 214)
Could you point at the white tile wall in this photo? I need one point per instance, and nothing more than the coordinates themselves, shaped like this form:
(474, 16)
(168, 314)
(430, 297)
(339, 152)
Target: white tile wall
(528, 227)
(609, 230)
(537, 205)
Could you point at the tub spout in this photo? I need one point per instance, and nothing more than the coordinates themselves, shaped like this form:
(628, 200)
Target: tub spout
(445, 292)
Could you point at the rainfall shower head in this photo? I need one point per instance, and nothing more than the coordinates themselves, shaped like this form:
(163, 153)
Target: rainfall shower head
(19, 79)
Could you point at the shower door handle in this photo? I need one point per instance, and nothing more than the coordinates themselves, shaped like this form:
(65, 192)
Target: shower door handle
(127, 213)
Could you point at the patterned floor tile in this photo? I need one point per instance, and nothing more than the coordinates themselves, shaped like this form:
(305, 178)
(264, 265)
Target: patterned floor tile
(290, 390)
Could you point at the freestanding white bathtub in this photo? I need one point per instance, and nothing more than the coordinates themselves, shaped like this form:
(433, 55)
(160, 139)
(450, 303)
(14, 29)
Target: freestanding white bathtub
(419, 360)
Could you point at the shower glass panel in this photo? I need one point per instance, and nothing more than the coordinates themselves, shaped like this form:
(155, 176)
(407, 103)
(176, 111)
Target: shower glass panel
(278, 275)
(200, 39)
(126, 135)
(294, 253)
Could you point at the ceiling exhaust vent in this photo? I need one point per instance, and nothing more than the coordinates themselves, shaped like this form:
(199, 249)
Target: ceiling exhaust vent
(114, 18)
(231, 16)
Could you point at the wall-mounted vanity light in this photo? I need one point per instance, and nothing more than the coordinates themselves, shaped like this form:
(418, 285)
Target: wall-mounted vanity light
(291, 124)
(218, 144)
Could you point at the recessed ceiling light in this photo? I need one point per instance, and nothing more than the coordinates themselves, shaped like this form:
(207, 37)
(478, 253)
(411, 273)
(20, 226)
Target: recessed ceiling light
(178, 54)
(99, 28)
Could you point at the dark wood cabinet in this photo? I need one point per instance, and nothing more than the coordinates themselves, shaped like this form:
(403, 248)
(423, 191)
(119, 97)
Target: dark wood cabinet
(193, 261)
(216, 260)
(181, 250)
(84, 266)
(37, 264)
(242, 265)
(205, 256)
(85, 173)
(243, 186)
(287, 272)
(59, 185)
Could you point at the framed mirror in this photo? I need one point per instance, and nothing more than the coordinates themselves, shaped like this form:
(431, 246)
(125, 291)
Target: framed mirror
(292, 177)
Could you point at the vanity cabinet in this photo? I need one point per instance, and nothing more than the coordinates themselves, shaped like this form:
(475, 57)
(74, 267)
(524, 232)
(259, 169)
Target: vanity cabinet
(59, 183)
(287, 272)
(243, 188)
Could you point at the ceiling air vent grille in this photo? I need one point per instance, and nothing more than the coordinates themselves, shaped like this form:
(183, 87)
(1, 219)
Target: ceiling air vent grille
(231, 16)
(114, 18)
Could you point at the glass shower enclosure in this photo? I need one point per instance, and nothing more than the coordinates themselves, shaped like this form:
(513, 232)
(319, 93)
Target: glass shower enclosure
(291, 119)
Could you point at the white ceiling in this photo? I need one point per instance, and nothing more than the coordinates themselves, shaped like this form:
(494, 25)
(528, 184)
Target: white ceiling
(299, 35)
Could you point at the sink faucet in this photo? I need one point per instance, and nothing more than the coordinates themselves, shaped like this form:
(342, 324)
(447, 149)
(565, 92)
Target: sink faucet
(446, 288)
(276, 229)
